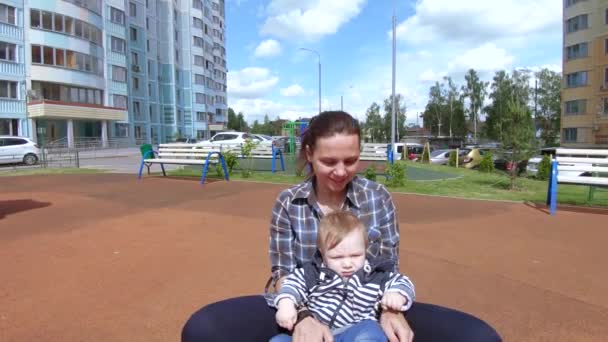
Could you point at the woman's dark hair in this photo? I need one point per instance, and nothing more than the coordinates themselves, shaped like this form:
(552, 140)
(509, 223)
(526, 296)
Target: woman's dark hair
(324, 125)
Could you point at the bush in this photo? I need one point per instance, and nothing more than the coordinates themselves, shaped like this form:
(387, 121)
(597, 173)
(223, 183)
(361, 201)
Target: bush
(452, 161)
(370, 173)
(231, 159)
(487, 163)
(426, 154)
(395, 174)
(544, 168)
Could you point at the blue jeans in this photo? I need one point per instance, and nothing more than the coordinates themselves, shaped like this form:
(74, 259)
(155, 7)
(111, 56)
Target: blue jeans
(364, 331)
(250, 319)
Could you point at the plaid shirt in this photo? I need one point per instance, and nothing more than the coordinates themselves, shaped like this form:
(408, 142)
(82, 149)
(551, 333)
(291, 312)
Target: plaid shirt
(296, 215)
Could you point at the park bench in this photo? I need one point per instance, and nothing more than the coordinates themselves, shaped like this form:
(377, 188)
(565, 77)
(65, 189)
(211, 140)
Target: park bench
(183, 154)
(374, 152)
(578, 167)
(258, 152)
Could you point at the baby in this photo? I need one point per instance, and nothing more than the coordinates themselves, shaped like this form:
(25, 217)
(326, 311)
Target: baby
(341, 287)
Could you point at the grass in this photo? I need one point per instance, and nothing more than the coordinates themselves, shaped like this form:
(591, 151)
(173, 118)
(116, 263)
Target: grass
(45, 171)
(469, 184)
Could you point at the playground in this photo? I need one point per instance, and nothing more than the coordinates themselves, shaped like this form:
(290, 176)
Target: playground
(106, 257)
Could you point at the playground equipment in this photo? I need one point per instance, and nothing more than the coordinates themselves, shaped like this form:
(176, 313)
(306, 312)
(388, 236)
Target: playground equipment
(290, 127)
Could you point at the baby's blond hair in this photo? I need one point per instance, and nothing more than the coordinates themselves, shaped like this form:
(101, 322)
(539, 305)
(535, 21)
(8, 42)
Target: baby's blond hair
(335, 226)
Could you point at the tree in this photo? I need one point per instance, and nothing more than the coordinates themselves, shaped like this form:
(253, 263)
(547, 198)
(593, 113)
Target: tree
(518, 133)
(374, 124)
(241, 123)
(475, 91)
(256, 128)
(434, 112)
(232, 120)
(547, 111)
(454, 98)
(399, 116)
(505, 88)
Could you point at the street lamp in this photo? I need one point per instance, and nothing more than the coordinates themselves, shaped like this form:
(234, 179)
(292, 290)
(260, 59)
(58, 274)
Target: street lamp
(319, 56)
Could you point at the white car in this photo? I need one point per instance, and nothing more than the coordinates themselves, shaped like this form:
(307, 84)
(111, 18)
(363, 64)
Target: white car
(18, 150)
(233, 138)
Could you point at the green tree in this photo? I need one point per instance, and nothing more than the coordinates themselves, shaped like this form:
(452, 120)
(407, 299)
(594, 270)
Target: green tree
(505, 88)
(241, 123)
(434, 113)
(232, 120)
(475, 91)
(455, 107)
(548, 105)
(256, 127)
(400, 117)
(373, 123)
(518, 133)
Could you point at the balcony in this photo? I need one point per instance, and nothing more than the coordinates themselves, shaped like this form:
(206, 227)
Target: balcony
(11, 32)
(12, 68)
(12, 107)
(65, 110)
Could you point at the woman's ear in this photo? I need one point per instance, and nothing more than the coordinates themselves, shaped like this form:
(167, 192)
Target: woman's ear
(309, 153)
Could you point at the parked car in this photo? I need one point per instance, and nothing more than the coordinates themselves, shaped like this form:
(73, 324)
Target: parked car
(503, 161)
(184, 141)
(440, 157)
(233, 138)
(18, 150)
(532, 164)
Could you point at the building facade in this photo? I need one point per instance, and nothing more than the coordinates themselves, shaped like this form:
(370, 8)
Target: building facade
(584, 118)
(136, 71)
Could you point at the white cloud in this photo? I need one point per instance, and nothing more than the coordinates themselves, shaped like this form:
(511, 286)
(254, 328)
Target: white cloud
(487, 57)
(268, 48)
(255, 109)
(250, 83)
(479, 21)
(308, 19)
(430, 76)
(293, 90)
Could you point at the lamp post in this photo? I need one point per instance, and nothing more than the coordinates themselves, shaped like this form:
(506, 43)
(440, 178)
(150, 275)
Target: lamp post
(394, 76)
(319, 56)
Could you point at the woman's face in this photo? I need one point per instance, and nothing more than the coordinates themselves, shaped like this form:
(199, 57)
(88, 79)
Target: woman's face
(335, 161)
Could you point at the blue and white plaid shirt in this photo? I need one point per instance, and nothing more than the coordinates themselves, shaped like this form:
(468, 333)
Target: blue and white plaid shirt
(296, 215)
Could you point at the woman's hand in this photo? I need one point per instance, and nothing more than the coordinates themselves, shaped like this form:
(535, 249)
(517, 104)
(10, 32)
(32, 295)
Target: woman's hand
(395, 326)
(311, 330)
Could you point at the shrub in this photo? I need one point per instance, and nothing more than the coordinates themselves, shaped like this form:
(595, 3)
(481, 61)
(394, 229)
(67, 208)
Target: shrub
(395, 174)
(370, 173)
(544, 168)
(487, 163)
(452, 161)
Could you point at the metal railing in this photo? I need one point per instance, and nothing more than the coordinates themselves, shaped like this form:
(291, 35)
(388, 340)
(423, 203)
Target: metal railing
(89, 144)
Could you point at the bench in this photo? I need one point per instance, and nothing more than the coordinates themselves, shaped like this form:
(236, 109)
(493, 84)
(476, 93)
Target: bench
(184, 154)
(258, 152)
(374, 152)
(578, 167)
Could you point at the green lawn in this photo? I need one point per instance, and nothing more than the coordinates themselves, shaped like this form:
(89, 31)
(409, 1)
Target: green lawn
(467, 184)
(45, 171)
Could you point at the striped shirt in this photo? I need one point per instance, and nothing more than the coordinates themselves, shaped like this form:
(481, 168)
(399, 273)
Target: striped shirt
(339, 302)
(296, 215)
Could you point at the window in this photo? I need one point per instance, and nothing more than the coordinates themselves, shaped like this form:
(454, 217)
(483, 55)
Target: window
(134, 58)
(132, 9)
(8, 89)
(77, 27)
(570, 134)
(200, 98)
(7, 14)
(199, 60)
(119, 74)
(7, 52)
(136, 108)
(580, 22)
(200, 116)
(47, 20)
(121, 130)
(199, 79)
(58, 22)
(117, 16)
(578, 50)
(135, 83)
(60, 57)
(35, 18)
(605, 111)
(133, 34)
(572, 2)
(196, 22)
(119, 101)
(576, 79)
(198, 41)
(576, 107)
(198, 4)
(118, 45)
(70, 58)
(69, 25)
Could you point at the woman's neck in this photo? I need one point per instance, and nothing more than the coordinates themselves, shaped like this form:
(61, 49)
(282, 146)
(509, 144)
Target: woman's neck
(334, 200)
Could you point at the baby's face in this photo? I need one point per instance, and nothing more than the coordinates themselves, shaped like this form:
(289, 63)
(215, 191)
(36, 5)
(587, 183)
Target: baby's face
(348, 256)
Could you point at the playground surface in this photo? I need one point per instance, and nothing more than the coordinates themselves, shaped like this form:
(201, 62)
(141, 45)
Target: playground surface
(105, 257)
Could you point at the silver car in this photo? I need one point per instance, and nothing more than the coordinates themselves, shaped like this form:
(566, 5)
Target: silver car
(440, 157)
(18, 150)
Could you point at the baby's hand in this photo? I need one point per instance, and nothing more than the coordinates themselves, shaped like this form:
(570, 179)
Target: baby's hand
(393, 300)
(286, 314)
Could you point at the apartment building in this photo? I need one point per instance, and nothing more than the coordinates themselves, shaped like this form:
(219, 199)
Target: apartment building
(584, 118)
(140, 71)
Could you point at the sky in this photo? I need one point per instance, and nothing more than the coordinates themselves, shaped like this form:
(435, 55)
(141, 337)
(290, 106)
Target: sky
(268, 73)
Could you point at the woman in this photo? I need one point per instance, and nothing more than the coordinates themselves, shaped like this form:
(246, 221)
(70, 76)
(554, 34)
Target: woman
(330, 148)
